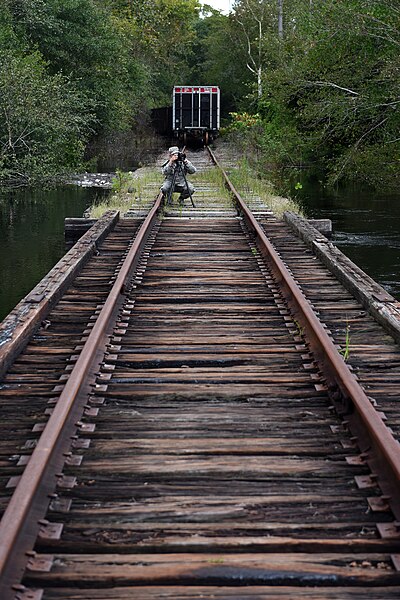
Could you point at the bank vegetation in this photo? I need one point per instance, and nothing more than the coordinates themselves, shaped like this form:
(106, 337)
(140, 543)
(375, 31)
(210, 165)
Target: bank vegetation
(305, 83)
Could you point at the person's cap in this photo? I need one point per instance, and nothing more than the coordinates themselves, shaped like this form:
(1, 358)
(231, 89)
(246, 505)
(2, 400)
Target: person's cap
(173, 150)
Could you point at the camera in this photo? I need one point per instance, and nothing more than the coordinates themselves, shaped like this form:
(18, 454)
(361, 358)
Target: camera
(181, 156)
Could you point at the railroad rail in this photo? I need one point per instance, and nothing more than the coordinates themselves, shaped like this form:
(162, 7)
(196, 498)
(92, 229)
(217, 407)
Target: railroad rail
(204, 435)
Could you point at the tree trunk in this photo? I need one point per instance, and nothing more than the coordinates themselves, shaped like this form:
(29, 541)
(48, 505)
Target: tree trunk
(280, 18)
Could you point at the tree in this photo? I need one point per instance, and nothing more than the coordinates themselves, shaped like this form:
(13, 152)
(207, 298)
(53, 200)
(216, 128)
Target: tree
(260, 27)
(217, 60)
(163, 33)
(44, 120)
(328, 90)
(79, 39)
(346, 93)
(280, 18)
(251, 16)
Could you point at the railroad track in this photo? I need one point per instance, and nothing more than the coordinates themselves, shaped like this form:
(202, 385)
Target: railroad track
(190, 430)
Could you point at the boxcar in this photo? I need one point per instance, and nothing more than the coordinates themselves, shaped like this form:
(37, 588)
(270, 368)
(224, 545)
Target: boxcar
(195, 113)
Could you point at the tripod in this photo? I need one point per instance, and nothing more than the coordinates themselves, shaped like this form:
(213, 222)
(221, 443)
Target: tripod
(181, 170)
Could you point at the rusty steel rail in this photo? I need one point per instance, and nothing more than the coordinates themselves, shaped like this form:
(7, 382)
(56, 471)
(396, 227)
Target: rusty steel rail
(378, 446)
(19, 526)
(24, 320)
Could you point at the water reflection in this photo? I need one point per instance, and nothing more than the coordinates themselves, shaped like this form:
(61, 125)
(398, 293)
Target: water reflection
(32, 235)
(366, 227)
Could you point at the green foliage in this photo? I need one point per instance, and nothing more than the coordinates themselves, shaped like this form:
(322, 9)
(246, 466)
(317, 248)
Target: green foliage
(121, 181)
(243, 121)
(164, 32)
(79, 39)
(71, 73)
(8, 39)
(218, 60)
(96, 67)
(351, 96)
(327, 90)
(44, 120)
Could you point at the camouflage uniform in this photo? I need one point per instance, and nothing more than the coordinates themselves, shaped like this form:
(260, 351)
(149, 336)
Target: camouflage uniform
(168, 171)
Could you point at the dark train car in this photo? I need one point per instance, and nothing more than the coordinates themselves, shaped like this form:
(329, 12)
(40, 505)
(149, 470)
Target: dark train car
(195, 113)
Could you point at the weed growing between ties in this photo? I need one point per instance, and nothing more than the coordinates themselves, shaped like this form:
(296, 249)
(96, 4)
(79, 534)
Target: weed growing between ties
(131, 190)
(137, 190)
(210, 189)
(256, 190)
(345, 350)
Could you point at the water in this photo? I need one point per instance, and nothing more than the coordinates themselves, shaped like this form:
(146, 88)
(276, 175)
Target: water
(32, 236)
(366, 227)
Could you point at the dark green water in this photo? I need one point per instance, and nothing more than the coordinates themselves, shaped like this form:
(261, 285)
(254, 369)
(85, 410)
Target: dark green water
(366, 227)
(32, 236)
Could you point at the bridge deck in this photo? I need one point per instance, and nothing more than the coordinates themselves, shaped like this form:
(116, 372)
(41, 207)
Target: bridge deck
(209, 462)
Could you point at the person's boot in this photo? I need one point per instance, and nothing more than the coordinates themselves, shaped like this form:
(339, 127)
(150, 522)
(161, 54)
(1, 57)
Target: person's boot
(181, 200)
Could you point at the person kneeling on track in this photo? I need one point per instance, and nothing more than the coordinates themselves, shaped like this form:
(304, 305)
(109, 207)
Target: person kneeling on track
(174, 171)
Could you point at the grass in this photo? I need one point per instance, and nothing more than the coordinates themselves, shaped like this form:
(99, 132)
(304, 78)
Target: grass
(212, 179)
(130, 190)
(137, 190)
(345, 351)
(252, 187)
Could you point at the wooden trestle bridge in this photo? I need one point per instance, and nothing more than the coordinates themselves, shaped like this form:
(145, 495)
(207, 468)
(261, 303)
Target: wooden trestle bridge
(178, 420)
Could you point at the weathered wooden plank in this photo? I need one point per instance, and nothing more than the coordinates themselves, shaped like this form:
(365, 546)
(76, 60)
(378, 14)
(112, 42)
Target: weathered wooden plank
(226, 593)
(253, 445)
(223, 569)
(248, 465)
(90, 538)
